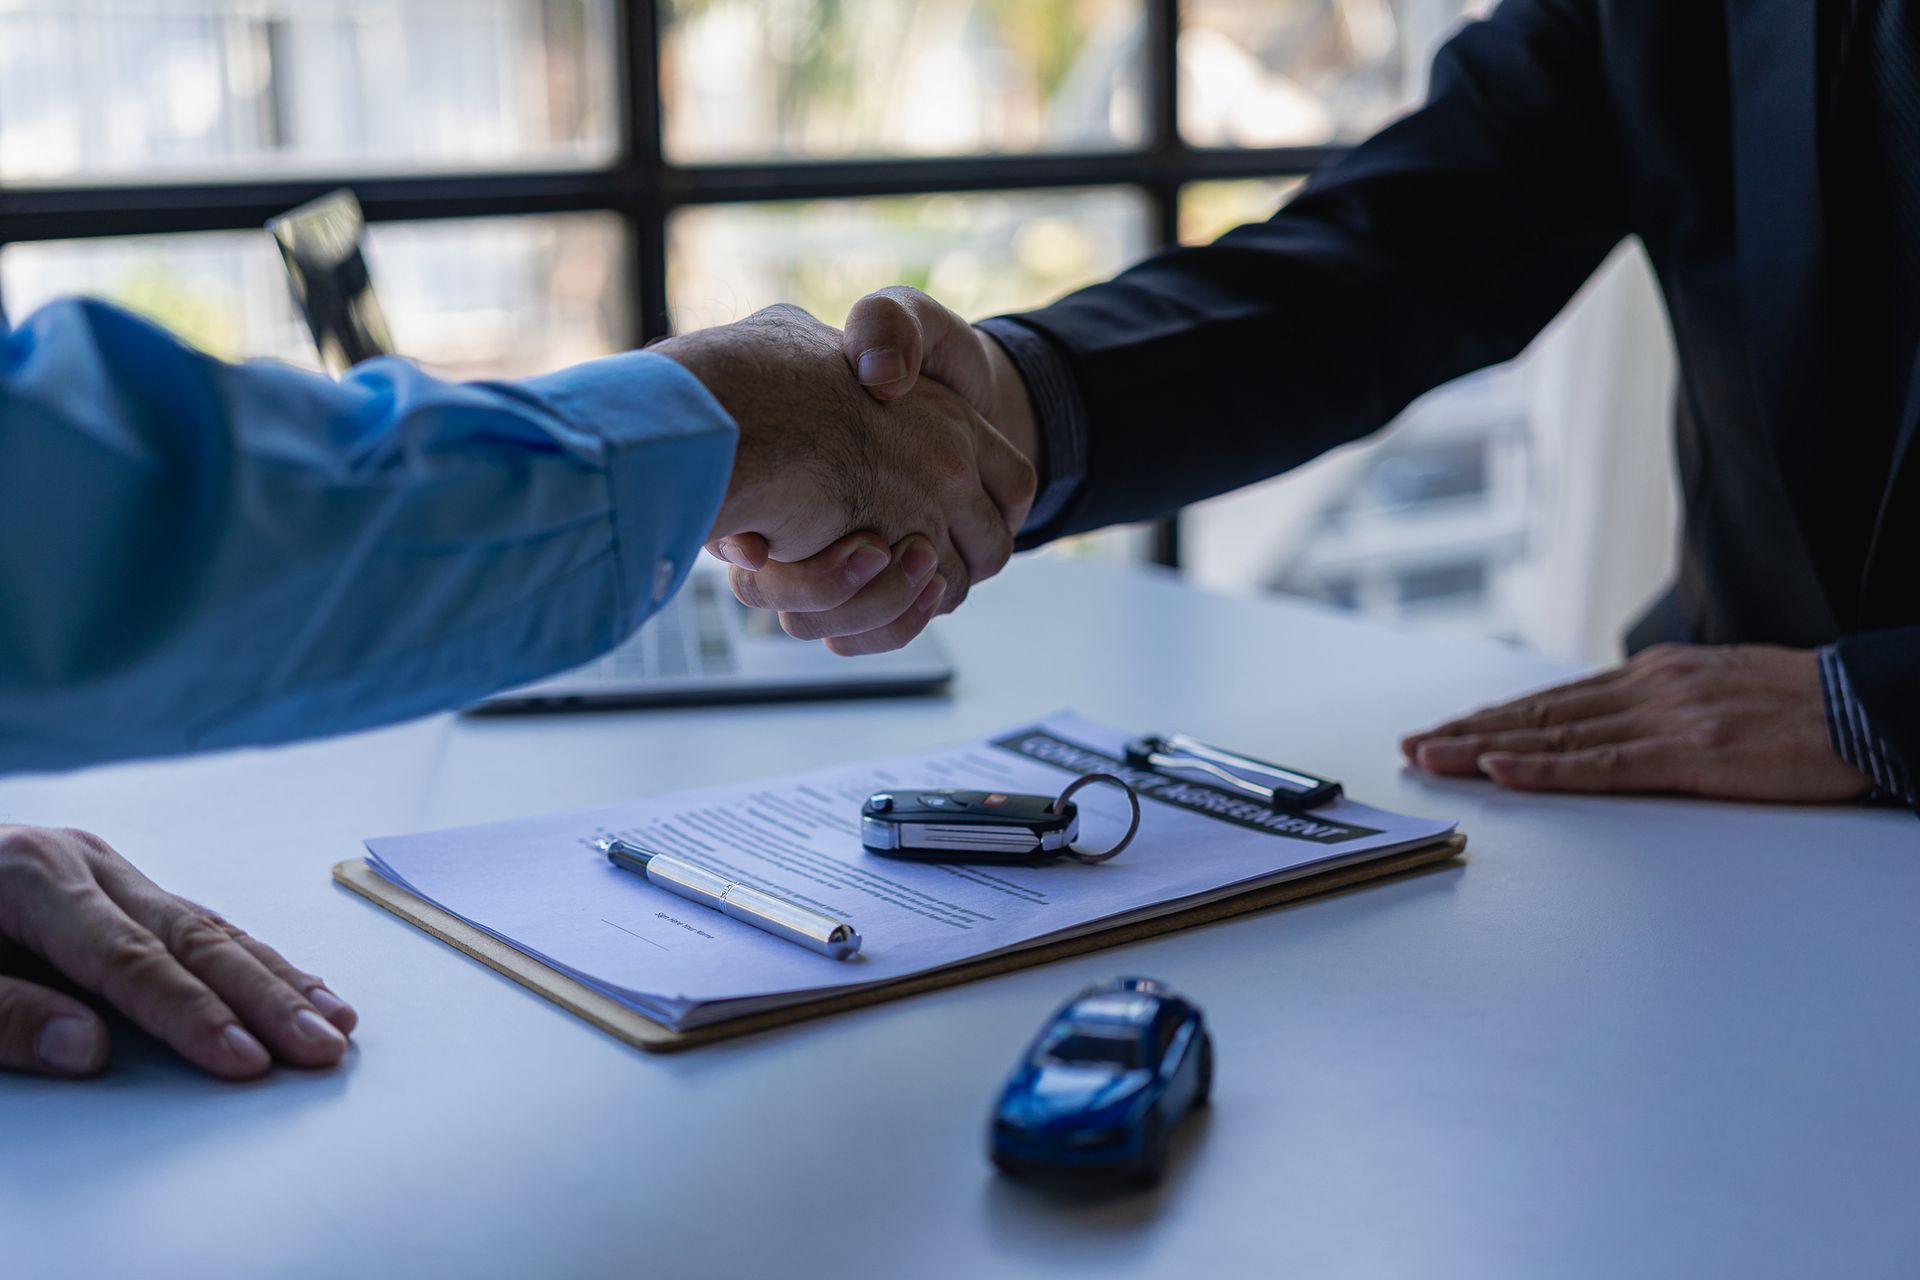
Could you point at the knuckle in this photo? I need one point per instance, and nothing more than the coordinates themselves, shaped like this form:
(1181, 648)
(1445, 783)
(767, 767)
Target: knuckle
(194, 938)
(746, 587)
(957, 591)
(134, 954)
(31, 859)
(783, 313)
(1002, 549)
(1671, 659)
(1537, 713)
(898, 307)
(221, 923)
(802, 626)
(1686, 689)
(953, 471)
(1026, 485)
(85, 841)
(1713, 732)
(896, 635)
(18, 1012)
(1605, 759)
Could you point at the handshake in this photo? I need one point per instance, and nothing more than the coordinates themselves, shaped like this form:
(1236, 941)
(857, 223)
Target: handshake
(865, 500)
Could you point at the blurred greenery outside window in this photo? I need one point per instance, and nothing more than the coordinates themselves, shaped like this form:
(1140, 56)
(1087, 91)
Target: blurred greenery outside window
(980, 253)
(814, 79)
(1208, 210)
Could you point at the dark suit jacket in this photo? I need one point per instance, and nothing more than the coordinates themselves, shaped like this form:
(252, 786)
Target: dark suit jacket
(1554, 129)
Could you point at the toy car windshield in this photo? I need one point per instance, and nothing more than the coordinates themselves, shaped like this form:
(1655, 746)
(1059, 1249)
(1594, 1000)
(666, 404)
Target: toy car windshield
(1083, 1047)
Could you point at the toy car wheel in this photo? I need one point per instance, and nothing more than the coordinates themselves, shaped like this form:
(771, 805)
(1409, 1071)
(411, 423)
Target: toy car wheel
(1009, 1165)
(1152, 1161)
(1203, 1091)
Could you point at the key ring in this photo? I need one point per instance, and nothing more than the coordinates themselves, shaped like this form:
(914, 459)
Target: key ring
(1087, 780)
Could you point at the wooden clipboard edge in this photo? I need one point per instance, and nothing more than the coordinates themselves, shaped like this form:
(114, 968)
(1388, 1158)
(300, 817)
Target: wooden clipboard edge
(642, 1032)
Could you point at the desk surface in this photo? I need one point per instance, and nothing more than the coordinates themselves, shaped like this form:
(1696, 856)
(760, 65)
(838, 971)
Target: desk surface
(1626, 1037)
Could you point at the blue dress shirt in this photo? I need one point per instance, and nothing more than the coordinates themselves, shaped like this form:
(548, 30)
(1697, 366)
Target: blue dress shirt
(196, 554)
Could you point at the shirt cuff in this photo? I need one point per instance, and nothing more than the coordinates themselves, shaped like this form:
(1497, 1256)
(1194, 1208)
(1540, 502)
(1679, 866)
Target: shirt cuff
(669, 453)
(1059, 410)
(1853, 737)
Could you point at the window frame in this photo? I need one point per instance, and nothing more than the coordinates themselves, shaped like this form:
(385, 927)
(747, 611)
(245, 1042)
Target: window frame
(645, 188)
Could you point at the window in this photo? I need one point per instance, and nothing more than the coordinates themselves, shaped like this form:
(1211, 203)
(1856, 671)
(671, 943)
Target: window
(1305, 72)
(133, 89)
(474, 297)
(764, 79)
(978, 252)
(1093, 1047)
(553, 179)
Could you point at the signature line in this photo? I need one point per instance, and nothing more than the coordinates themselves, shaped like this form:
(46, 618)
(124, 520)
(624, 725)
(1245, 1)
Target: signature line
(631, 934)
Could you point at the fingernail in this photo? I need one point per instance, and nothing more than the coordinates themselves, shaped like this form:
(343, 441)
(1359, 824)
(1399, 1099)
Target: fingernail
(864, 565)
(317, 1030)
(1487, 761)
(881, 364)
(328, 1003)
(919, 561)
(733, 555)
(68, 1045)
(930, 598)
(243, 1047)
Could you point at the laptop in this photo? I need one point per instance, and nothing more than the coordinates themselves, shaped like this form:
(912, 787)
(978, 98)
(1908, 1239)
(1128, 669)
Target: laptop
(703, 646)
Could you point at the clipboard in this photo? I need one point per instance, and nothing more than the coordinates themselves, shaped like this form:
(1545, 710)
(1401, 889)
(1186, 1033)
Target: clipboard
(642, 1032)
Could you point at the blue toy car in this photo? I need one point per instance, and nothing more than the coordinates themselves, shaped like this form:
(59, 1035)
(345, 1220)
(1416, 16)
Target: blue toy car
(1104, 1083)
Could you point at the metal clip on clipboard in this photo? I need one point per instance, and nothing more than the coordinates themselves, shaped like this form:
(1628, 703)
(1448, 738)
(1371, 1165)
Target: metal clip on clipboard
(1179, 756)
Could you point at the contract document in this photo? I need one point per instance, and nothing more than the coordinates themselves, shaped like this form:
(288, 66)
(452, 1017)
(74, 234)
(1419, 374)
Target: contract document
(540, 886)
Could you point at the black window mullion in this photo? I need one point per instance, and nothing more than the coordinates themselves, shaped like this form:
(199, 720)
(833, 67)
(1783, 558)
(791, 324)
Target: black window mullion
(45, 212)
(1163, 117)
(1165, 142)
(644, 165)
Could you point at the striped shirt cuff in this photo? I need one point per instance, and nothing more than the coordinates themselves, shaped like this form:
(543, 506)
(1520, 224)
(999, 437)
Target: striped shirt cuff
(1853, 737)
(1059, 410)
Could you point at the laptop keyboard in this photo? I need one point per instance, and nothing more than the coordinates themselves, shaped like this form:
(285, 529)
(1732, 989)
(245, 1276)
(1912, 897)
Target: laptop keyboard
(688, 637)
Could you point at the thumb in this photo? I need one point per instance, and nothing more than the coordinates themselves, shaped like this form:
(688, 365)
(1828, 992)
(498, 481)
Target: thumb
(42, 1030)
(747, 551)
(895, 335)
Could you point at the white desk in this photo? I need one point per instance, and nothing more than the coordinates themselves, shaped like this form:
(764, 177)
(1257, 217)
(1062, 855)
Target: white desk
(1628, 1037)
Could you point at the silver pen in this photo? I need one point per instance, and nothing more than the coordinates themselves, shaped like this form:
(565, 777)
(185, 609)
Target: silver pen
(757, 907)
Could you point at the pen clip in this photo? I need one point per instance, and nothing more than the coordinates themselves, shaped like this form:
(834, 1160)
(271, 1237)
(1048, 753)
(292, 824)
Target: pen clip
(1271, 784)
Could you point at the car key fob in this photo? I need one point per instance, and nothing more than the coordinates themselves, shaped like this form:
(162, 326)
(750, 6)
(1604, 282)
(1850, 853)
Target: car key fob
(968, 826)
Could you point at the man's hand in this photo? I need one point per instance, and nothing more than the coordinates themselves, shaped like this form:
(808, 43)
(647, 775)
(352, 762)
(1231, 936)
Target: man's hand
(893, 337)
(924, 484)
(896, 335)
(226, 1003)
(1746, 722)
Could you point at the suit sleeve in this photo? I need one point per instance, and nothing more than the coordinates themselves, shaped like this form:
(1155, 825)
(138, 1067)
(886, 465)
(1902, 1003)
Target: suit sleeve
(1442, 245)
(196, 554)
(1878, 676)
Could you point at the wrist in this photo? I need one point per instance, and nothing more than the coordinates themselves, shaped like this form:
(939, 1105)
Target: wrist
(1013, 414)
(708, 356)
